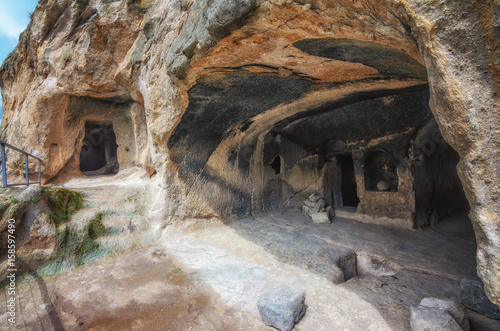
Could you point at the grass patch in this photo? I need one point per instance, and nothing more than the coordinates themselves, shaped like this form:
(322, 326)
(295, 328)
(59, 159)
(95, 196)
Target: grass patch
(77, 247)
(63, 203)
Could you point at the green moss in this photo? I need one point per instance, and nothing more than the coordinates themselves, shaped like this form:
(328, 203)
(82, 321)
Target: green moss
(75, 246)
(96, 229)
(79, 246)
(63, 203)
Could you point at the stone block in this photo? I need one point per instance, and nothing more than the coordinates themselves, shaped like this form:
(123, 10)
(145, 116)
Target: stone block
(456, 310)
(318, 207)
(432, 319)
(282, 307)
(320, 218)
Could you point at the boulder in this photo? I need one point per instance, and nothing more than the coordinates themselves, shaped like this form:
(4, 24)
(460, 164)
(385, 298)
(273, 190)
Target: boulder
(282, 307)
(432, 319)
(472, 296)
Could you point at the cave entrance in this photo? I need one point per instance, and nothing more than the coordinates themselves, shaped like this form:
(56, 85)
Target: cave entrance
(99, 150)
(439, 194)
(349, 190)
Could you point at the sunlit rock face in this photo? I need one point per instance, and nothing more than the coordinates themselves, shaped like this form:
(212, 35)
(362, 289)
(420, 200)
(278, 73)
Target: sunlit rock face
(249, 106)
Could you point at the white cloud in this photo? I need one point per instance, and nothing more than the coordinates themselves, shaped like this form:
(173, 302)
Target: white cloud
(11, 25)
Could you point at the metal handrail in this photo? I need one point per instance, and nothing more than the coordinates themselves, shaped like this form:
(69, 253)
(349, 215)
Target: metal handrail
(3, 144)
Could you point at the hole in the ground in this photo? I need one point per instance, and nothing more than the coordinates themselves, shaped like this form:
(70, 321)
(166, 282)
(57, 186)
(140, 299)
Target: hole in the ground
(347, 264)
(99, 150)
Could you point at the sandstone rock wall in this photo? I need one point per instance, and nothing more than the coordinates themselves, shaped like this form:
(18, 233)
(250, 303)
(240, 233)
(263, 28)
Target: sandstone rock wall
(459, 42)
(203, 92)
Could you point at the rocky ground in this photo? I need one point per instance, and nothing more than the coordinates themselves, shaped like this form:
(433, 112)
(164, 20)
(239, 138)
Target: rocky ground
(208, 275)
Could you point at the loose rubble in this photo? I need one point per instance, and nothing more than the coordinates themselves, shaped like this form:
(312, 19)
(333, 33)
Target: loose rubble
(315, 207)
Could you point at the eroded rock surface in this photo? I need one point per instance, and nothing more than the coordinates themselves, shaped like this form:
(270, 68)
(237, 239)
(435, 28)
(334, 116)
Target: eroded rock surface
(230, 103)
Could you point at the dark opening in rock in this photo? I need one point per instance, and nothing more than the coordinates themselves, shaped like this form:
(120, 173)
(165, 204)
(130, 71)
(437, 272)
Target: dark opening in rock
(349, 190)
(276, 164)
(381, 172)
(99, 150)
(439, 195)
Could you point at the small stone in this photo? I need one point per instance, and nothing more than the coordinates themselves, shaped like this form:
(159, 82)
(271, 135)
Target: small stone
(282, 307)
(284, 72)
(383, 186)
(432, 319)
(472, 296)
(456, 310)
(320, 218)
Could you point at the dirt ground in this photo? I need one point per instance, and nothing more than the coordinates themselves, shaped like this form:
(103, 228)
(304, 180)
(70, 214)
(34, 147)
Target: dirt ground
(138, 290)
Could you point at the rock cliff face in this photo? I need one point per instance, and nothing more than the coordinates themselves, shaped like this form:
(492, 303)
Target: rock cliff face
(244, 106)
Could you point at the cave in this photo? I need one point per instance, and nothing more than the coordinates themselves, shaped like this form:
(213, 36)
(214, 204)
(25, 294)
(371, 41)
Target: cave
(354, 149)
(98, 155)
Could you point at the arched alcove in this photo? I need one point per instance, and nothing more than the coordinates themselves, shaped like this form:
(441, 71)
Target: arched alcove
(381, 171)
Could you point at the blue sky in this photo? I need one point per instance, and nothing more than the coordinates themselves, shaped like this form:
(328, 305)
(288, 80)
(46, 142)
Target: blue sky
(14, 18)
